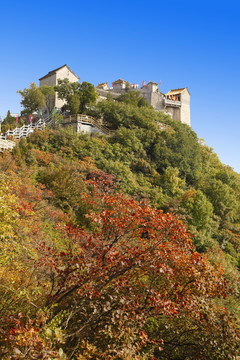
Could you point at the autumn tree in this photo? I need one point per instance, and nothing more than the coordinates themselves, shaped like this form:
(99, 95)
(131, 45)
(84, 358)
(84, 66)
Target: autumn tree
(113, 277)
(135, 285)
(24, 214)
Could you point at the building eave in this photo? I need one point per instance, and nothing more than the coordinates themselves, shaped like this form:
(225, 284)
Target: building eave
(177, 91)
(52, 72)
(120, 81)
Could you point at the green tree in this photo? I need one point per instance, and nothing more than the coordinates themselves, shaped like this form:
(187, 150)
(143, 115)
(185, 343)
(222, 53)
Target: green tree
(65, 89)
(78, 96)
(74, 103)
(49, 93)
(199, 208)
(88, 95)
(171, 182)
(179, 149)
(223, 200)
(32, 99)
(9, 123)
(134, 98)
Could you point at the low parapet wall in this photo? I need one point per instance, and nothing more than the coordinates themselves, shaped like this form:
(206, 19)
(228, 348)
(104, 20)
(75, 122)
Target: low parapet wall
(87, 124)
(6, 144)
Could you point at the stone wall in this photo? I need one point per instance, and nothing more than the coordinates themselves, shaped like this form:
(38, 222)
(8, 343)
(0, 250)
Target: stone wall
(146, 94)
(157, 101)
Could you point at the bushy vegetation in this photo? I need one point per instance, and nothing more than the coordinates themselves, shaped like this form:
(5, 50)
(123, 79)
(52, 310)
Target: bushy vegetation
(121, 247)
(10, 123)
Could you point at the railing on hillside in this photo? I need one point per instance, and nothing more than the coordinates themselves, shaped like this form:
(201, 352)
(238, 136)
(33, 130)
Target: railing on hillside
(87, 119)
(25, 130)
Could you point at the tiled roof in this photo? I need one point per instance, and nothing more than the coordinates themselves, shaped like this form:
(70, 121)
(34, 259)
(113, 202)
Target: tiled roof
(177, 91)
(54, 71)
(100, 86)
(152, 82)
(120, 81)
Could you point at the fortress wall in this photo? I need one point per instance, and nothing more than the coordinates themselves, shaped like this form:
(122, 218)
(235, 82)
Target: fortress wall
(157, 101)
(146, 94)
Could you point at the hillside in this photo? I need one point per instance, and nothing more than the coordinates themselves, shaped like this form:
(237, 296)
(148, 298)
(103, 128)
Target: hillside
(121, 247)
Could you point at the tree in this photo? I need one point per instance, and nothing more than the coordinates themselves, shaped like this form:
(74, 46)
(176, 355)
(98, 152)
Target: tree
(126, 283)
(171, 182)
(49, 94)
(22, 208)
(223, 199)
(10, 122)
(32, 99)
(77, 95)
(65, 88)
(135, 285)
(74, 103)
(199, 208)
(88, 95)
(179, 149)
(134, 98)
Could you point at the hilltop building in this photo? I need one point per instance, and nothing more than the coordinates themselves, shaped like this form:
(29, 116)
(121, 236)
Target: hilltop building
(103, 86)
(175, 103)
(51, 79)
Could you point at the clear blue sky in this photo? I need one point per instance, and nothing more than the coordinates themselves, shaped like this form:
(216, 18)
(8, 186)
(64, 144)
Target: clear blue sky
(182, 43)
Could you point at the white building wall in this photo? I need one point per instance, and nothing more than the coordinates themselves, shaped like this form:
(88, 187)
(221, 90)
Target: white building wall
(153, 87)
(119, 86)
(49, 80)
(64, 73)
(185, 108)
(88, 129)
(61, 74)
(52, 80)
